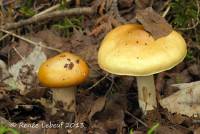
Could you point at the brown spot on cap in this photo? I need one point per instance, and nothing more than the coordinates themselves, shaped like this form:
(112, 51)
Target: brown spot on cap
(71, 65)
(62, 55)
(66, 65)
(77, 61)
(59, 73)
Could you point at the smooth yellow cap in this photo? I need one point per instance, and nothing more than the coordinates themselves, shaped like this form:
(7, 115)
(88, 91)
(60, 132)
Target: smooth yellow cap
(63, 70)
(130, 50)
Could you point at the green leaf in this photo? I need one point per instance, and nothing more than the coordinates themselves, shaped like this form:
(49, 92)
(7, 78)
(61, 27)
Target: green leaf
(153, 128)
(131, 131)
(5, 130)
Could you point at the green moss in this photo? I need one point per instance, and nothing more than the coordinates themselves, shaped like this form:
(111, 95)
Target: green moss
(63, 4)
(27, 11)
(26, 8)
(183, 12)
(67, 25)
(189, 55)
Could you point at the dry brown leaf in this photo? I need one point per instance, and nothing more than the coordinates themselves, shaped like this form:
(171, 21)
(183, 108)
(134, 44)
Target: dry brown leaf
(143, 3)
(194, 69)
(78, 43)
(125, 3)
(102, 7)
(37, 130)
(167, 130)
(84, 104)
(153, 23)
(185, 101)
(97, 106)
(51, 39)
(138, 132)
(86, 47)
(197, 131)
(176, 118)
(96, 31)
(51, 131)
(112, 117)
(103, 25)
(36, 94)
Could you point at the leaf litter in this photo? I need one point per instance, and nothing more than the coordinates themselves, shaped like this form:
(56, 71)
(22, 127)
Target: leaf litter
(185, 101)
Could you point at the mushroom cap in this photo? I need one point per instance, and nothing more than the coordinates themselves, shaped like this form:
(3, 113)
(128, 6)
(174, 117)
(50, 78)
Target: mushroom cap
(130, 50)
(63, 70)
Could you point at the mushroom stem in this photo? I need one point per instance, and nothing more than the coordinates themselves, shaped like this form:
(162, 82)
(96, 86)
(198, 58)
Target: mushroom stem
(146, 93)
(67, 96)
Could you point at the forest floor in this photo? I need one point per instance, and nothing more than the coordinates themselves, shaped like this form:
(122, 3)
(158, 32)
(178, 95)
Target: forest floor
(32, 31)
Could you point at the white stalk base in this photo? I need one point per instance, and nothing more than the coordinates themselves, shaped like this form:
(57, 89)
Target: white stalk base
(146, 93)
(67, 96)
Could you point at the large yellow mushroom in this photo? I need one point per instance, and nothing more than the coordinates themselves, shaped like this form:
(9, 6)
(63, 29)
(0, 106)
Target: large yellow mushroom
(62, 73)
(130, 50)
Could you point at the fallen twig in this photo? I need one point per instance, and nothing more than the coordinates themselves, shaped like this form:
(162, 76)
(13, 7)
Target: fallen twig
(18, 53)
(53, 8)
(164, 14)
(96, 83)
(30, 41)
(52, 15)
(3, 37)
(114, 11)
(137, 119)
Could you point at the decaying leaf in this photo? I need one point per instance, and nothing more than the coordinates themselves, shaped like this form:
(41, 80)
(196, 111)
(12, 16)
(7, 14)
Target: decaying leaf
(185, 101)
(167, 130)
(143, 3)
(194, 69)
(98, 106)
(111, 117)
(3, 70)
(36, 57)
(84, 106)
(175, 118)
(197, 131)
(153, 23)
(27, 66)
(125, 3)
